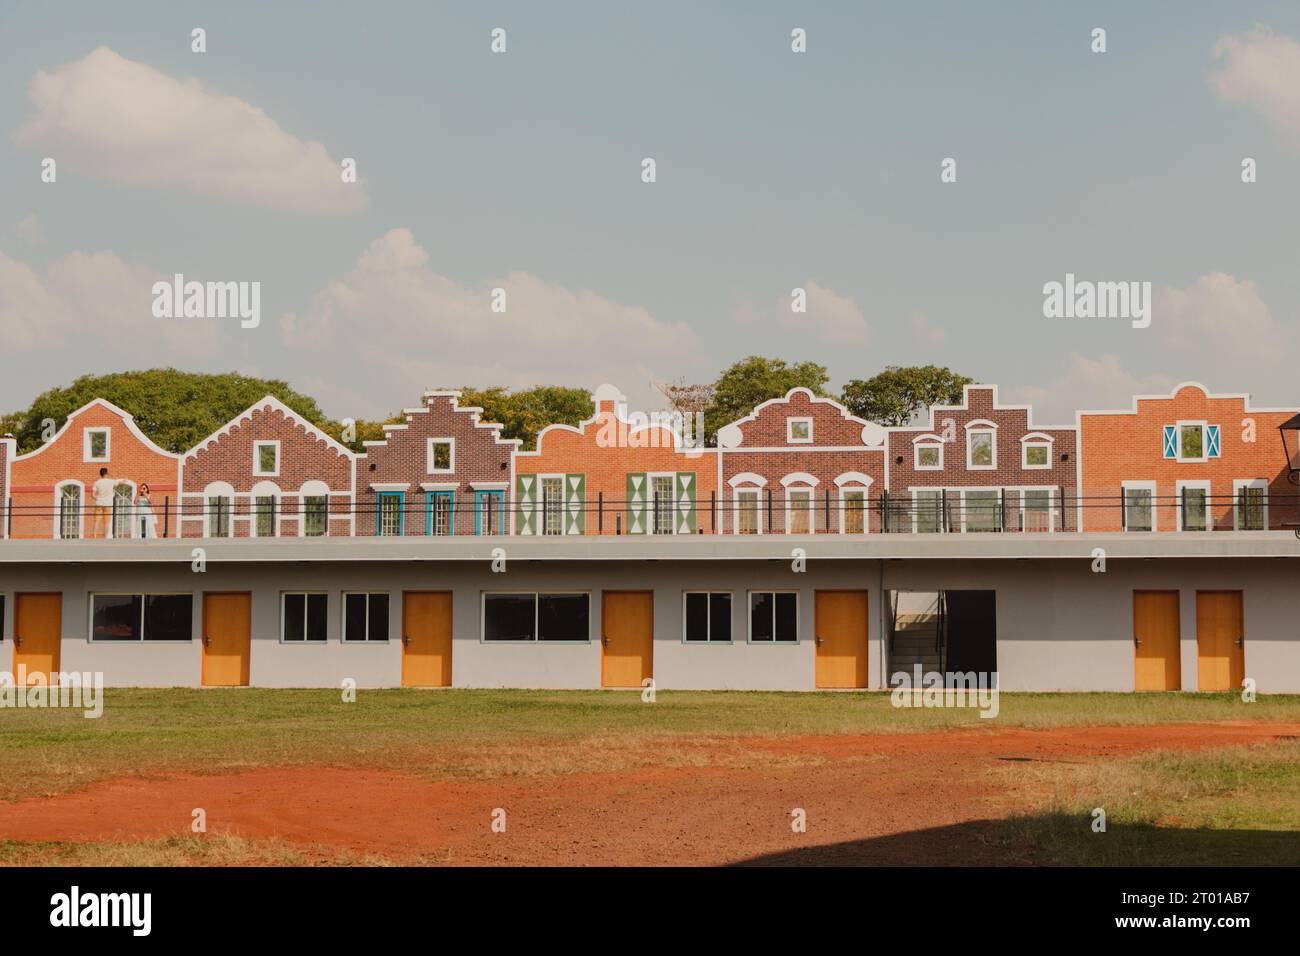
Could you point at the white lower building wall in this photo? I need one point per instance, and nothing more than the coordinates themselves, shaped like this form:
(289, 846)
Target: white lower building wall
(1060, 625)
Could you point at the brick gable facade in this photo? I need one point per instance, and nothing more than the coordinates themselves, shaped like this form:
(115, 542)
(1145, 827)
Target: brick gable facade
(308, 464)
(1130, 447)
(473, 491)
(37, 479)
(950, 428)
(796, 448)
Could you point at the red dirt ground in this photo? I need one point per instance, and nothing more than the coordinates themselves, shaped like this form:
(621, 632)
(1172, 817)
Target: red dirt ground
(890, 799)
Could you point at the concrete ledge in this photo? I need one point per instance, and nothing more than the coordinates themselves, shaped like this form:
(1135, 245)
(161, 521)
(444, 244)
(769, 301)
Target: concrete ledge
(1212, 545)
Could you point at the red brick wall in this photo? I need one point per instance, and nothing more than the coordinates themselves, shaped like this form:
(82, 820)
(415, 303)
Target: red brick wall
(480, 456)
(6, 453)
(1129, 447)
(304, 456)
(606, 451)
(833, 426)
(1012, 425)
(33, 477)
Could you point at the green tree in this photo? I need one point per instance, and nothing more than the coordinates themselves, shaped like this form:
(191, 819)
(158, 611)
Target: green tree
(898, 394)
(754, 380)
(175, 409)
(524, 413)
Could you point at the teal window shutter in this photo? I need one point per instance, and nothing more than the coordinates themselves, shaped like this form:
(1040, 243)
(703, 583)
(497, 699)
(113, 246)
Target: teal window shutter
(1212, 441)
(1171, 441)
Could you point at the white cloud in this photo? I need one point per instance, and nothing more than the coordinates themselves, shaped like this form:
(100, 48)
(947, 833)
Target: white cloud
(1219, 317)
(1261, 70)
(1087, 384)
(28, 229)
(413, 329)
(831, 317)
(927, 331)
(93, 301)
(128, 122)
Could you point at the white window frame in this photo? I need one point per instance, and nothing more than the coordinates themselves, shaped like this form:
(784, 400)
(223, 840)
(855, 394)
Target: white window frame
(343, 618)
(731, 625)
(537, 604)
(112, 517)
(107, 432)
(1178, 437)
(264, 489)
(790, 492)
(789, 431)
(1199, 485)
(561, 509)
(218, 489)
(916, 507)
(1052, 503)
(1150, 486)
(1035, 440)
(305, 641)
(652, 525)
(1240, 483)
(257, 459)
(90, 615)
(927, 441)
(979, 427)
(81, 511)
(430, 469)
(854, 482)
(997, 489)
(749, 618)
(757, 492)
(315, 488)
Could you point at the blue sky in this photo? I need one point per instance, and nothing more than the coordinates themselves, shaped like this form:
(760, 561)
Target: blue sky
(775, 170)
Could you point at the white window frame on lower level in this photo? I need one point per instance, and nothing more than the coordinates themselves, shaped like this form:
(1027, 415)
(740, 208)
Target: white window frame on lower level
(997, 489)
(1237, 485)
(1125, 487)
(81, 509)
(800, 483)
(1198, 485)
(1052, 503)
(747, 483)
(847, 484)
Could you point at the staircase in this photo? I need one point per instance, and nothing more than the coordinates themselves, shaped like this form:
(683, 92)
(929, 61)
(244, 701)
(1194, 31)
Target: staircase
(917, 639)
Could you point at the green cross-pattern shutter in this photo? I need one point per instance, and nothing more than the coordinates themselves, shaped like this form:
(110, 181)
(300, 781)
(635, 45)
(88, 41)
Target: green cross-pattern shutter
(575, 496)
(636, 499)
(525, 501)
(685, 502)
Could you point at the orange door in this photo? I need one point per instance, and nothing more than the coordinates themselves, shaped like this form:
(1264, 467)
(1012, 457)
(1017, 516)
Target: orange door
(1157, 660)
(227, 636)
(627, 628)
(1220, 640)
(841, 635)
(38, 633)
(426, 639)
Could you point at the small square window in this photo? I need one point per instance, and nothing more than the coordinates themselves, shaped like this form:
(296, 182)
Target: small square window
(708, 617)
(929, 457)
(1036, 455)
(442, 455)
(365, 617)
(266, 458)
(980, 449)
(799, 430)
(773, 617)
(97, 444)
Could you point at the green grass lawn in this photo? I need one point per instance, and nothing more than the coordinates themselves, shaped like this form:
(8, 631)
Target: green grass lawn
(49, 751)
(1235, 806)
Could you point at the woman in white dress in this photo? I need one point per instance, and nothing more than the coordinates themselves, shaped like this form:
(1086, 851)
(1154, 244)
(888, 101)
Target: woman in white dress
(144, 517)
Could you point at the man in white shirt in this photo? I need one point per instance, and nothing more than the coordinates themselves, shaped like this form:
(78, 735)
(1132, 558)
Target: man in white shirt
(101, 492)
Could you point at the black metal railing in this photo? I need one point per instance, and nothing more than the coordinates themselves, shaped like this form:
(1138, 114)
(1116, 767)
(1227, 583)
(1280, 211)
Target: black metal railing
(1008, 510)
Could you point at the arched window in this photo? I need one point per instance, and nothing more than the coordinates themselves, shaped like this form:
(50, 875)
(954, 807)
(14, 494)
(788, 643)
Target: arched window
(124, 510)
(219, 502)
(68, 510)
(315, 496)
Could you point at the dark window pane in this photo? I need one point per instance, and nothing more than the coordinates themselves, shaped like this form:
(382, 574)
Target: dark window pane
(354, 617)
(787, 628)
(563, 617)
(379, 617)
(116, 617)
(293, 616)
(2, 617)
(719, 617)
(168, 617)
(760, 616)
(697, 617)
(316, 606)
(509, 617)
